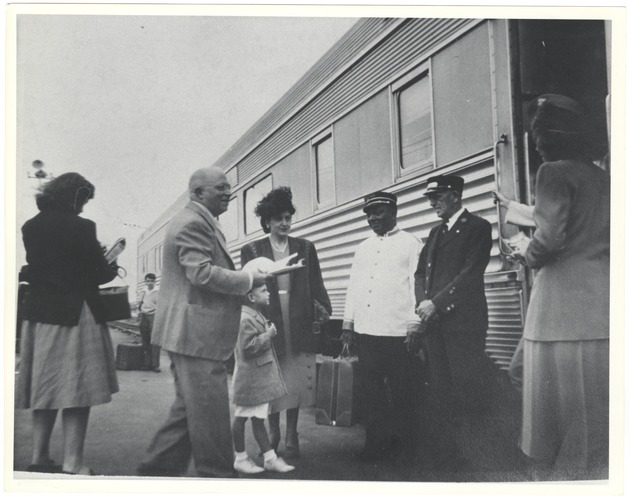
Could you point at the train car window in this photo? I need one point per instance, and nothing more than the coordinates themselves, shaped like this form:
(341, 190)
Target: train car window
(296, 171)
(416, 144)
(229, 221)
(252, 195)
(232, 176)
(463, 98)
(414, 125)
(363, 149)
(324, 171)
(151, 261)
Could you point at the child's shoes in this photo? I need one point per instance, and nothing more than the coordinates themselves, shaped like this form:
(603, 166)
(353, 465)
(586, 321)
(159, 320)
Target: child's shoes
(247, 466)
(277, 465)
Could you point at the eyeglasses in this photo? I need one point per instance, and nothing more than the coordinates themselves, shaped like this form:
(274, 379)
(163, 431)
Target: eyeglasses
(225, 187)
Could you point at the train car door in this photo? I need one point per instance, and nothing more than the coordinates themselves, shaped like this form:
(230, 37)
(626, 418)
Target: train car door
(563, 57)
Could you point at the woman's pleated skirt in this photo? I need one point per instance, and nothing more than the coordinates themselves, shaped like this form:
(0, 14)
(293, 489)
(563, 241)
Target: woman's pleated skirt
(66, 366)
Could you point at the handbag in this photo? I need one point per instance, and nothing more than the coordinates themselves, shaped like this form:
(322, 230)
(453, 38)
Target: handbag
(114, 303)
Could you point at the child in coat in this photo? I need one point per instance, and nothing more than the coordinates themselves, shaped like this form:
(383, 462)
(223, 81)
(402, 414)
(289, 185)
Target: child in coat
(256, 382)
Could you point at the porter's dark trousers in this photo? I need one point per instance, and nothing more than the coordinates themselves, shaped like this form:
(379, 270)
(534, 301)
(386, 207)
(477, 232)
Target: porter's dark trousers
(390, 385)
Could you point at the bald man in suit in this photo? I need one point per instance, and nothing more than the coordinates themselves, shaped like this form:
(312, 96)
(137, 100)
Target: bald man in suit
(196, 323)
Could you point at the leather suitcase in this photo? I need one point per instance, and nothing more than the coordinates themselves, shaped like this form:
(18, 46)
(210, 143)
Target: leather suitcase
(129, 356)
(337, 392)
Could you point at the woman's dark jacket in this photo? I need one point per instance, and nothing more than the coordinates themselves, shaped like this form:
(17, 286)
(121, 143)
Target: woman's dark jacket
(306, 285)
(65, 267)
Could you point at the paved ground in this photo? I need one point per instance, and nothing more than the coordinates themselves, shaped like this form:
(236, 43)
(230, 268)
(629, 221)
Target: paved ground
(120, 431)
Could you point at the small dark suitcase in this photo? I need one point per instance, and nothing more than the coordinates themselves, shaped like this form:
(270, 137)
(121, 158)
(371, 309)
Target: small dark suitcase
(129, 356)
(337, 392)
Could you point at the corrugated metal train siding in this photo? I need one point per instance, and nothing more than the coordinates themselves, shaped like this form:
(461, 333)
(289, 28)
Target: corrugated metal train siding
(505, 321)
(337, 233)
(414, 39)
(362, 34)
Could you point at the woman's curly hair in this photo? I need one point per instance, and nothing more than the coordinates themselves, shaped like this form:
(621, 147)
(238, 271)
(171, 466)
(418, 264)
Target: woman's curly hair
(277, 201)
(68, 192)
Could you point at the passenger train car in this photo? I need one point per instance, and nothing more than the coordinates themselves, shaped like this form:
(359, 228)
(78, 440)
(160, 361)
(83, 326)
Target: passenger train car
(392, 103)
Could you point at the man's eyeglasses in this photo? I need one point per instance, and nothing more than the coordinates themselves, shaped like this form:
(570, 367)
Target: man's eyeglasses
(219, 188)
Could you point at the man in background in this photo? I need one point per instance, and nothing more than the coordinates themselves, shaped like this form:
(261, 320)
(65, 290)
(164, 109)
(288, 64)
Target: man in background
(146, 313)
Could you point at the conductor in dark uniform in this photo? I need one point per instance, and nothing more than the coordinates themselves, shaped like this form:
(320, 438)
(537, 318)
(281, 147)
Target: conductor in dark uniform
(451, 304)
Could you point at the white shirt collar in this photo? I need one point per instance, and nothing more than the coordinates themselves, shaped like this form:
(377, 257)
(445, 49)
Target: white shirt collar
(454, 218)
(207, 211)
(392, 232)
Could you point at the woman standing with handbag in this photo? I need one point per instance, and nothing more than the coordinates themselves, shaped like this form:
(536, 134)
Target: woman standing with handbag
(298, 304)
(67, 358)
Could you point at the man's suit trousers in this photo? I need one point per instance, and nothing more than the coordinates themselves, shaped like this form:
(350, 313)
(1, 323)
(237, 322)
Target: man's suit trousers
(198, 423)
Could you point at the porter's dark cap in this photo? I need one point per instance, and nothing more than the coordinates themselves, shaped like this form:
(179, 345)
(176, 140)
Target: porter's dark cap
(376, 198)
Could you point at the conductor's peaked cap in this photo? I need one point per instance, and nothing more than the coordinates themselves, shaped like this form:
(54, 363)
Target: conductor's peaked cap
(437, 184)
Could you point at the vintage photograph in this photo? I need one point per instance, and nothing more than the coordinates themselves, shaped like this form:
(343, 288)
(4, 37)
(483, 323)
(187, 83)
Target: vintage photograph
(277, 243)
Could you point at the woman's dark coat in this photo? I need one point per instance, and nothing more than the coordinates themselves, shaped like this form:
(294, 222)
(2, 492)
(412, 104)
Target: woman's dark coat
(65, 267)
(306, 285)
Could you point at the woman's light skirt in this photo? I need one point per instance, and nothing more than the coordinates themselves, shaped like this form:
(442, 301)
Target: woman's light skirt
(565, 403)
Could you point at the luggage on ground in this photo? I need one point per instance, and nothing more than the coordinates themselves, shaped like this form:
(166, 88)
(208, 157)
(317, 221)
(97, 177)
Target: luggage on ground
(129, 356)
(337, 391)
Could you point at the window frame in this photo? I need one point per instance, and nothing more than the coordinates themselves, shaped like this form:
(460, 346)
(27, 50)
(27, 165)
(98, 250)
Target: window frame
(421, 72)
(145, 263)
(252, 185)
(232, 176)
(317, 140)
(233, 203)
